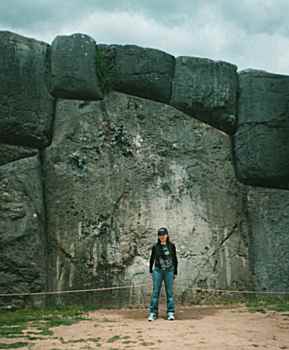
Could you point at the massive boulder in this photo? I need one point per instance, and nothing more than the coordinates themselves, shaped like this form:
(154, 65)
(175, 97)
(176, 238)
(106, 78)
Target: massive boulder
(22, 224)
(206, 90)
(268, 220)
(261, 142)
(74, 64)
(119, 169)
(26, 108)
(137, 71)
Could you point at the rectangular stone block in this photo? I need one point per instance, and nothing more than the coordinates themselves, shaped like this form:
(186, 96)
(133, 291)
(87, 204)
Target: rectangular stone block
(261, 155)
(26, 107)
(263, 97)
(74, 68)
(142, 72)
(261, 143)
(206, 90)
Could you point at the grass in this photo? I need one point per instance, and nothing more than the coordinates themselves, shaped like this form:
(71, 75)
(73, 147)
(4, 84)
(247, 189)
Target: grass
(113, 339)
(14, 323)
(255, 302)
(12, 345)
(268, 303)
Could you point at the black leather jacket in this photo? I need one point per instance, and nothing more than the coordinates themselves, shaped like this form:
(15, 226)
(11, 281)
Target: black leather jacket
(155, 254)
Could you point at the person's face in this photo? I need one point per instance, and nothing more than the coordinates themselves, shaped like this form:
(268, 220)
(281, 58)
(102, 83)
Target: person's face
(163, 238)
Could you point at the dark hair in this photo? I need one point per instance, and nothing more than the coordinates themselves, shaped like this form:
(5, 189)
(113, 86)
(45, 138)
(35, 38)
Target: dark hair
(168, 240)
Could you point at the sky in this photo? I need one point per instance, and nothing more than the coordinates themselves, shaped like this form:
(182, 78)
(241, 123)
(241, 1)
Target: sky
(249, 33)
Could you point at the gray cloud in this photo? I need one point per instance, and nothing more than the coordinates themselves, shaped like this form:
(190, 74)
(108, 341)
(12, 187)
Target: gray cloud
(257, 16)
(249, 33)
(28, 13)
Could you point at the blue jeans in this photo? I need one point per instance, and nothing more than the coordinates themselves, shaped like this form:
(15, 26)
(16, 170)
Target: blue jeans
(158, 277)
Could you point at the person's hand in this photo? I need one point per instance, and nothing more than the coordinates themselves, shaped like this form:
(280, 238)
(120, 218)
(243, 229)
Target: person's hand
(175, 277)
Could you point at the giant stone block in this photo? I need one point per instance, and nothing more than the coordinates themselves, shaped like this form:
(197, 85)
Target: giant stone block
(206, 90)
(74, 68)
(138, 71)
(261, 143)
(26, 108)
(120, 168)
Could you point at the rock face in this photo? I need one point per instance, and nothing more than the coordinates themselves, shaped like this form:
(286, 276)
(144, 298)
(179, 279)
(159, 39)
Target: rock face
(22, 239)
(269, 239)
(25, 104)
(9, 153)
(206, 90)
(261, 143)
(116, 171)
(74, 68)
(138, 71)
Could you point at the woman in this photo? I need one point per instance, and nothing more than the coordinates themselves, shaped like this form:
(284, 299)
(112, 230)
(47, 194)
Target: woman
(165, 262)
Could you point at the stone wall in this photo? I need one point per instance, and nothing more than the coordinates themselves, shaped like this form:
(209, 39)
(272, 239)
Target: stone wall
(87, 175)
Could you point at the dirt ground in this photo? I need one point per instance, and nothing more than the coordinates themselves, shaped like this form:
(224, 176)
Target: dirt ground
(198, 328)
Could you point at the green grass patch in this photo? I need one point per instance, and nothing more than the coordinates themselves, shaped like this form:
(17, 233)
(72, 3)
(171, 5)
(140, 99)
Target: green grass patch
(11, 331)
(13, 345)
(268, 303)
(13, 323)
(113, 339)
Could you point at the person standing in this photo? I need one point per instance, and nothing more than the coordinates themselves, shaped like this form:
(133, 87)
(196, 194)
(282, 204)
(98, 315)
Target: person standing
(163, 267)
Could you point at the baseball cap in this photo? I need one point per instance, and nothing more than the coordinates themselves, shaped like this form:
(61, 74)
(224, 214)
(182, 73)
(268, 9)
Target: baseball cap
(162, 231)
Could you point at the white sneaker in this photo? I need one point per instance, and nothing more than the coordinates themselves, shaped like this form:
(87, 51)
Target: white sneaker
(171, 316)
(152, 316)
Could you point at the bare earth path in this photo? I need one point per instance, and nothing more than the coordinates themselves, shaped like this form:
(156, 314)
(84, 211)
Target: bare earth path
(198, 328)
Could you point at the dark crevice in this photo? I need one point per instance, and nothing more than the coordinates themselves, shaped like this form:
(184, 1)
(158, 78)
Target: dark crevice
(45, 225)
(227, 237)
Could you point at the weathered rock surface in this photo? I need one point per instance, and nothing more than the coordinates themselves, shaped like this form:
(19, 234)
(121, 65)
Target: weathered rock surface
(22, 240)
(206, 90)
(74, 68)
(9, 153)
(268, 218)
(261, 155)
(138, 71)
(119, 169)
(261, 143)
(26, 108)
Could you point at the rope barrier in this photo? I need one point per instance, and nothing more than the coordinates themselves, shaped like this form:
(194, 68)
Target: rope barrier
(69, 291)
(139, 286)
(240, 291)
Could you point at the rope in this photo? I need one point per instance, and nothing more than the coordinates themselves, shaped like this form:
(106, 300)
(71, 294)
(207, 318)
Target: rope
(68, 291)
(142, 285)
(239, 291)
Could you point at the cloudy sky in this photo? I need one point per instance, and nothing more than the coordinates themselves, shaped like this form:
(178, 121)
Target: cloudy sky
(248, 33)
